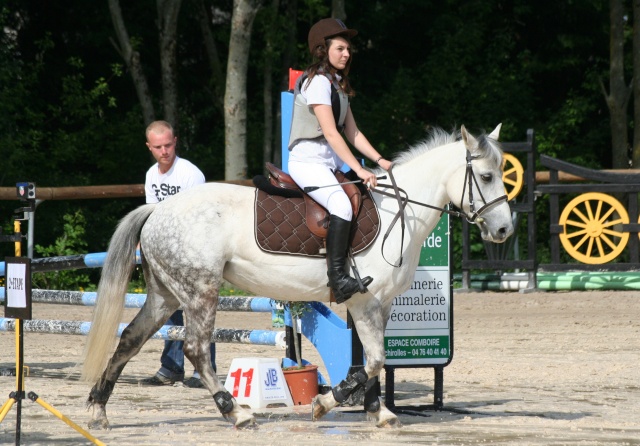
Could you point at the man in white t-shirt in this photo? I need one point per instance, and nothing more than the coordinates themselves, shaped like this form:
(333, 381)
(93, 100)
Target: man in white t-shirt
(171, 174)
(168, 176)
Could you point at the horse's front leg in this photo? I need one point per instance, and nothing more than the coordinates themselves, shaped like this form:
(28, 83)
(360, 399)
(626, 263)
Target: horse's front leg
(375, 408)
(369, 318)
(373, 405)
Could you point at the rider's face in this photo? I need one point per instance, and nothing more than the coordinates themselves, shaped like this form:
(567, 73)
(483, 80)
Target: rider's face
(339, 52)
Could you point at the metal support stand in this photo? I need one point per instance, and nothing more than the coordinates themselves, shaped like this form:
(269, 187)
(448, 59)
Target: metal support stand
(20, 312)
(419, 410)
(18, 396)
(438, 392)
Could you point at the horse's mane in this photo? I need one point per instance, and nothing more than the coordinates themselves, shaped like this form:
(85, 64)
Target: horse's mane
(488, 147)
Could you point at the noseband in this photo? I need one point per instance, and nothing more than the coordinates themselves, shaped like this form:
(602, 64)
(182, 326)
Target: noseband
(401, 195)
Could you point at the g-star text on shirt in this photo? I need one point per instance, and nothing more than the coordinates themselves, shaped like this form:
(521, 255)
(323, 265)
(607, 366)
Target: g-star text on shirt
(164, 191)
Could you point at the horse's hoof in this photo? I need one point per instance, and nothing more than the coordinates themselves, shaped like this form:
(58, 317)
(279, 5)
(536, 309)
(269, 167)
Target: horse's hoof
(102, 424)
(384, 419)
(393, 423)
(246, 423)
(317, 409)
(313, 410)
(247, 426)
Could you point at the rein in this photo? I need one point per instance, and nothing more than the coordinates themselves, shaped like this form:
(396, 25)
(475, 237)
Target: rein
(403, 199)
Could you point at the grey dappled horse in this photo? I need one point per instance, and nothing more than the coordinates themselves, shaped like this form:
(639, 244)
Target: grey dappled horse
(191, 243)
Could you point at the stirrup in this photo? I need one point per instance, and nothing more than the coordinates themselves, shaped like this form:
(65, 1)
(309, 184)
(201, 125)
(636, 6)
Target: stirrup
(356, 274)
(342, 296)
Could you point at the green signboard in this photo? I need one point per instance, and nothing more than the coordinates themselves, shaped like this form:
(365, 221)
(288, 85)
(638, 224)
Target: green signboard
(435, 250)
(419, 327)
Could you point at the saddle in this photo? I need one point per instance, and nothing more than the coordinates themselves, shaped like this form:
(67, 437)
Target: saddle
(316, 216)
(289, 221)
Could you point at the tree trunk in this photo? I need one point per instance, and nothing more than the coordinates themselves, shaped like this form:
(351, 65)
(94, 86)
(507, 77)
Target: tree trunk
(267, 87)
(267, 139)
(337, 10)
(168, 11)
(291, 8)
(296, 341)
(235, 97)
(132, 61)
(619, 92)
(217, 74)
(636, 84)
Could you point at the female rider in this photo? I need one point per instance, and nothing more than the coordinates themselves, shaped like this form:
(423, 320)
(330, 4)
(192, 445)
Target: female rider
(317, 149)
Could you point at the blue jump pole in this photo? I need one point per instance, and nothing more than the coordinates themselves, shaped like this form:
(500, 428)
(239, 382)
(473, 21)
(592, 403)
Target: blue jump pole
(167, 332)
(88, 298)
(46, 264)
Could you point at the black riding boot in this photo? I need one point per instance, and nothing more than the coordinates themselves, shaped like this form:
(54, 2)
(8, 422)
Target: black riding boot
(343, 285)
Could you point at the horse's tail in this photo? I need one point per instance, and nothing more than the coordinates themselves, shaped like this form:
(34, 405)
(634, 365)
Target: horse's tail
(116, 274)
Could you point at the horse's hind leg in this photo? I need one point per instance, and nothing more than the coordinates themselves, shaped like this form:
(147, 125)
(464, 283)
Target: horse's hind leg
(200, 315)
(151, 317)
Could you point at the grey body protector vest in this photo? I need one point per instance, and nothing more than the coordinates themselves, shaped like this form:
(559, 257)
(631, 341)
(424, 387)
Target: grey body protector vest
(304, 124)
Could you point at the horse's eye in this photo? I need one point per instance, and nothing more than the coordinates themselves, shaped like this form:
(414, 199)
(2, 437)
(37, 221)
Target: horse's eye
(487, 177)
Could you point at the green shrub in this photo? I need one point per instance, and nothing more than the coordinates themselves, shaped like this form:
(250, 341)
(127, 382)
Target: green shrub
(71, 242)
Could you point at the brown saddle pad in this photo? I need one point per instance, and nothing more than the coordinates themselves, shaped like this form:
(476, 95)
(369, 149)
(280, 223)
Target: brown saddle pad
(281, 227)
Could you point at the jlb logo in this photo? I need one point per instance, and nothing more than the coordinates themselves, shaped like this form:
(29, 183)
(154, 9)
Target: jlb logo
(272, 378)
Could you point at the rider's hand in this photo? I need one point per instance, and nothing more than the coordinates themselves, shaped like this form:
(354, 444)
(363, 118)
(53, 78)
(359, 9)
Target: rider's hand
(368, 178)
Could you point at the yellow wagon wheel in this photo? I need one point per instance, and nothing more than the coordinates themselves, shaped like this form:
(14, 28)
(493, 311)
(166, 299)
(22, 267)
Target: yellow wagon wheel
(512, 175)
(590, 234)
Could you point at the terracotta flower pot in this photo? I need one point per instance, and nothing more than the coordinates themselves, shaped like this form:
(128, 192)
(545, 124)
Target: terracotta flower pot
(303, 383)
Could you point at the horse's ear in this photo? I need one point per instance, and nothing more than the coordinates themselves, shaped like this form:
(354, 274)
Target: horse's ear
(496, 132)
(469, 141)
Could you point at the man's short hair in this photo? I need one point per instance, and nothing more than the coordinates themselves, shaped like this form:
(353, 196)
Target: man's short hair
(157, 127)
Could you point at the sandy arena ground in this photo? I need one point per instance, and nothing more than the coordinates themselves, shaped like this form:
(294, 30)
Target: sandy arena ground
(557, 368)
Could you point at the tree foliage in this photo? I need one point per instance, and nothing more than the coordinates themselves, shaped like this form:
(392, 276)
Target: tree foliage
(70, 114)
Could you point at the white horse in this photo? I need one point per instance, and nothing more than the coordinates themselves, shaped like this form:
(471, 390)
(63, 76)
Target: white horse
(192, 243)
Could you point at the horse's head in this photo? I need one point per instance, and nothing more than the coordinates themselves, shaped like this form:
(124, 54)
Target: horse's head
(481, 194)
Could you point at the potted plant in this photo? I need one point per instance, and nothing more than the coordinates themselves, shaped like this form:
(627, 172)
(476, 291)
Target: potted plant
(302, 379)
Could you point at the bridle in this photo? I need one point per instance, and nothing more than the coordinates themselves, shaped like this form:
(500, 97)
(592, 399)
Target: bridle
(470, 179)
(475, 216)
